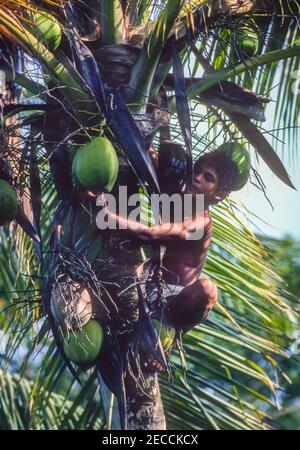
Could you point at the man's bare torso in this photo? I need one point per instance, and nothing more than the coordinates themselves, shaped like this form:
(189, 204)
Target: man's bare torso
(183, 261)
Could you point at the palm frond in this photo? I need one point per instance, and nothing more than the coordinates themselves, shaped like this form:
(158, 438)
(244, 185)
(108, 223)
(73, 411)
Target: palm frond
(27, 405)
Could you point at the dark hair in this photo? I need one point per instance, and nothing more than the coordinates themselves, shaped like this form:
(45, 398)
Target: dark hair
(226, 169)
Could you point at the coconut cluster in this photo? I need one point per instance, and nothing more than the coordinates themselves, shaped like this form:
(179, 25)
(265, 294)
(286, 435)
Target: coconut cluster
(246, 42)
(95, 165)
(76, 312)
(95, 168)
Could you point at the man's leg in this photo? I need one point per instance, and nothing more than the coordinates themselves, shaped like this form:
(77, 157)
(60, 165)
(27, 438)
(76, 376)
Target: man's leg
(192, 305)
(187, 309)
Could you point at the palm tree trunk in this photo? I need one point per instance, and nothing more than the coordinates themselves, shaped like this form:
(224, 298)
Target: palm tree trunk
(121, 258)
(144, 404)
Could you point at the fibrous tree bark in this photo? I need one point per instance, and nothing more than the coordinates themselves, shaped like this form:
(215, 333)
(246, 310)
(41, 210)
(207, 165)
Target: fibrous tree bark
(144, 405)
(137, 389)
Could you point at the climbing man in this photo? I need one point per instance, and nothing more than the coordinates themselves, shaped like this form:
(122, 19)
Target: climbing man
(188, 297)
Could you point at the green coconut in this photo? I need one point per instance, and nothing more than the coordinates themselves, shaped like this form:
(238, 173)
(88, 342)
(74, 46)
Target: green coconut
(246, 41)
(240, 156)
(83, 346)
(166, 334)
(96, 165)
(49, 29)
(8, 203)
(72, 150)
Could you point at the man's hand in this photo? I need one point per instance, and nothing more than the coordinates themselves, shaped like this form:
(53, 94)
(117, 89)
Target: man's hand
(189, 229)
(184, 231)
(154, 155)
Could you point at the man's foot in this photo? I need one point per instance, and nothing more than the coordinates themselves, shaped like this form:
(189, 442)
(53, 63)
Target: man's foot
(154, 365)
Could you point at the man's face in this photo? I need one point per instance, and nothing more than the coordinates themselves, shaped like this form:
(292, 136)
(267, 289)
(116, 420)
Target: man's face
(205, 180)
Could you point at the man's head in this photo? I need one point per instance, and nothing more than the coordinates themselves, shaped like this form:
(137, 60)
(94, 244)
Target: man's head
(222, 171)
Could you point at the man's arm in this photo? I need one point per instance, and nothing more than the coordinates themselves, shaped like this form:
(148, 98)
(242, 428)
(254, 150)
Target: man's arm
(187, 230)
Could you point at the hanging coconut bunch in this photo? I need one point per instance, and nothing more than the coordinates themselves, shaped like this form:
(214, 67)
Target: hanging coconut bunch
(241, 158)
(83, 346)
(95, 165)
(77, 312)
(72, 150)
(48, 29)
(246, 42)
(71, 304)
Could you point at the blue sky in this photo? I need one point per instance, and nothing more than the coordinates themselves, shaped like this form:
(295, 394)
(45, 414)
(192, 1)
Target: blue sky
(285, 218)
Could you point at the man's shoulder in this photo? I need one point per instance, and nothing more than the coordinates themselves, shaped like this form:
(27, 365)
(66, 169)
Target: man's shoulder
(207, 218)
(206, 213)
(208, 224)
